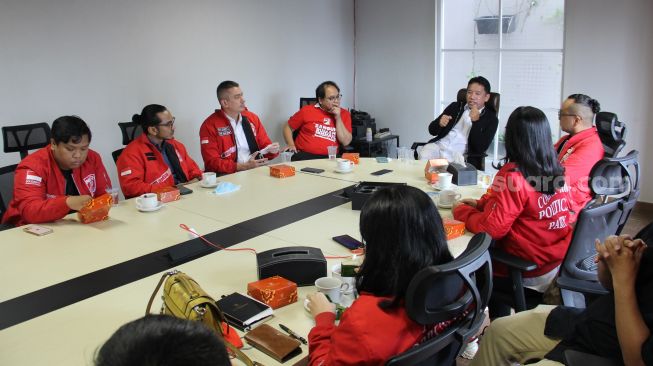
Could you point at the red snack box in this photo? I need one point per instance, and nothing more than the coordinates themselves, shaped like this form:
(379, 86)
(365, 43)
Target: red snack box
(282, 171)
(96, 209)
(275, 291)
(453, 228)
(433, 167)
(353, 157)
(167, 194)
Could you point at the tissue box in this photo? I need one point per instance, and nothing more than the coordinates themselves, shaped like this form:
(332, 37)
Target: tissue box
(453, 228)
(96, 210)
(282, 171)
(463, 175)
(274, 291)
(433, 167)
(353, 157)
(167, 194)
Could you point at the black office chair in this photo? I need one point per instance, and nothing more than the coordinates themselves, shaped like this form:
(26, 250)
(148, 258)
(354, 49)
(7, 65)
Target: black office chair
(307, 101)
(130, 131)
(116, 154)
(23, 138)
(477, 160)
(6, 190)
(612, 133)
(615, 184)
(434, 295)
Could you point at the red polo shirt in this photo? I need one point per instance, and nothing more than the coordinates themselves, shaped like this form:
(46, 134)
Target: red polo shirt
(317, 128)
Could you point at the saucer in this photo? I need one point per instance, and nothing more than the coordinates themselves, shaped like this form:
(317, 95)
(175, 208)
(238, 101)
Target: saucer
(203, 185)
(155, 208)
(344, 171)
(442, 205)
(438, 188)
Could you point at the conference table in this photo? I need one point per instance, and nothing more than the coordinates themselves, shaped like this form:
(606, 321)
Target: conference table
(65, 293)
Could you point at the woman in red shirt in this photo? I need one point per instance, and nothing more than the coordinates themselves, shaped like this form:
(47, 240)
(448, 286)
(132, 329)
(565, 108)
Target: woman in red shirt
(527, 209)
(403, 234)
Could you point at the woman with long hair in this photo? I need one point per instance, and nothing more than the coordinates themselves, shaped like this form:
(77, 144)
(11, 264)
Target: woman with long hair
(403, 233)
(526, 210)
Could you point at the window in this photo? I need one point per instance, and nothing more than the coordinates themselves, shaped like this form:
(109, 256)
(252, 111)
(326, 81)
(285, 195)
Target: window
(521, 56)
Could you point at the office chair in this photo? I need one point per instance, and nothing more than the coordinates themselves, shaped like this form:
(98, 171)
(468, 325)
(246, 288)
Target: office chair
(611, 132)
(130, 131)
(434, 295)
(307, 101)
(6, 190)
(615, 184)
(116, 154)
(477, 160)
(22, 138)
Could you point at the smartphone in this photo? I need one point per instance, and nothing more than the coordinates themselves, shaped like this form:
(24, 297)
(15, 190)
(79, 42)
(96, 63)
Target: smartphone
(184, 190)
(312, 170)
(348, 242)
(38, 230)
(381, 172)
(381, 159)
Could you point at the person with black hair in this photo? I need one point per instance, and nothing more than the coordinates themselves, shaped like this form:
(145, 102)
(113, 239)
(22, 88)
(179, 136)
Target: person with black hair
(403, 233)
(581, 148)
(616, 326)
(526, 210)
(63, 176)
(233, 138)
(464, 127)
(155, 159)
(320, 126)
(163, 340)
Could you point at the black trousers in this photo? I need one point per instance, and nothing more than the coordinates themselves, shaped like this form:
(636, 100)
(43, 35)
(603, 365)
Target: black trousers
(501, 299)
(303, 155)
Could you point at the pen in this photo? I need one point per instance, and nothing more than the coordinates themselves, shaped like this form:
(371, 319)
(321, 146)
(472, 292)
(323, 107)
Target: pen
(292, 334)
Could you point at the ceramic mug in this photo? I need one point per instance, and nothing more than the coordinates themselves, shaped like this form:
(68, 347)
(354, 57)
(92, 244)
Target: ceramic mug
(147, 200)
(448, 197)
(332, 287)
(344, 164)
(444, 180)
(209, 178)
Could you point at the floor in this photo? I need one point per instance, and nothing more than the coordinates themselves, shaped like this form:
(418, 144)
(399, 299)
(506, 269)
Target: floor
(641, 216)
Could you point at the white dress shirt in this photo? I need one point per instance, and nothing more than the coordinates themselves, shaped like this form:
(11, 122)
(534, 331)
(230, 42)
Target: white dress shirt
(241, 140)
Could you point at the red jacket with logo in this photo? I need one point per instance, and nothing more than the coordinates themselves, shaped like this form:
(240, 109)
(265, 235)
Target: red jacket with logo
(579, 154)
(366, 335)
(141, 167)
(525, 223)
(40, 187)
(317, 129)
(218, 143)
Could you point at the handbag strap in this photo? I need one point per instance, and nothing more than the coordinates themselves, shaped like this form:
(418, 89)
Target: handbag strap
(156, 290)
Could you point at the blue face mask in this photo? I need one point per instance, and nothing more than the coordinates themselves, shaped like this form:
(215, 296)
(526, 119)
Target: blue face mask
(226, 187)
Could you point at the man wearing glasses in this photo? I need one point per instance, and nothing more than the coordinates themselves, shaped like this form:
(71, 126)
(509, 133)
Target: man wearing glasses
(155, 159)
(319, 126)
(233, 138)
(581, 148)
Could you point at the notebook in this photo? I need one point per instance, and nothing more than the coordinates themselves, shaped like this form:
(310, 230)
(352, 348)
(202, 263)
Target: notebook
(242, 311)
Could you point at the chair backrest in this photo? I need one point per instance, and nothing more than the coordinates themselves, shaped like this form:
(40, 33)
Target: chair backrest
(307, 101)
(116, 155)
(615, 183)
(6, 186)
(494, 102)
(130, 131)
(442, 292)
(611, 132)
(23, 138)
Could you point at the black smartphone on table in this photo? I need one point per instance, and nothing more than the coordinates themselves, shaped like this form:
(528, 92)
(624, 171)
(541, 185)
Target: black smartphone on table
(184, 190)
(312, 170)
(381, 172)
(348, 242)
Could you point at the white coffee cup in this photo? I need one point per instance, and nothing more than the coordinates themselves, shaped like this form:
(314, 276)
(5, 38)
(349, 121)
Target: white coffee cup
(448, 197)
(344, 164)
(147, 200)
(444, 180)
(209, 178)
(336, 273)
(332, 287)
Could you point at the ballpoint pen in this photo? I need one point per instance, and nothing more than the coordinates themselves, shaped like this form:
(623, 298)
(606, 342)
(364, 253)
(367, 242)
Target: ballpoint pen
(292, 334)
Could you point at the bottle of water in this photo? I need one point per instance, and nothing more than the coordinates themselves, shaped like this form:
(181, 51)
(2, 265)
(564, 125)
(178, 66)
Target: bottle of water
(368, 135)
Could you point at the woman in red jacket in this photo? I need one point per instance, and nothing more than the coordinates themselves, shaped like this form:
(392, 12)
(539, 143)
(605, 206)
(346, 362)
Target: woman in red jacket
(403, 234)
(527, 209)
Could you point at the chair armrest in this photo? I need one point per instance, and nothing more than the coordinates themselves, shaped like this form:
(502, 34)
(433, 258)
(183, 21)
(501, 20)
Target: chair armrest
(415, 145)
(583, 286)
(511, 260)
(577, 358)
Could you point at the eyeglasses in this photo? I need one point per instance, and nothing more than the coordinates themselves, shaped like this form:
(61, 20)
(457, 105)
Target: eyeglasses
(168, 124)
(334, 98)
(560, 115)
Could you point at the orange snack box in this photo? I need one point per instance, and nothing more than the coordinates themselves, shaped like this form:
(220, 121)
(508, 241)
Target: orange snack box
(433, 167)
(282, 171)
(96, 209)
(275, 291)
(353, 157)
(453, 228)
(167, 194)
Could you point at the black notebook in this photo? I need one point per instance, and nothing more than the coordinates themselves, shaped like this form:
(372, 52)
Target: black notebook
(242, 311)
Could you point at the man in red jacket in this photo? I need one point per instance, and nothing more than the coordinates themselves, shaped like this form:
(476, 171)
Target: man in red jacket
(155, 159)
(233, 138)
(58, 178)
(581, 148)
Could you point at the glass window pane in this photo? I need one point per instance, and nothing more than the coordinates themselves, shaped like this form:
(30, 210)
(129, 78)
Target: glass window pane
(459, 27)
(533, 24)
(460, 66)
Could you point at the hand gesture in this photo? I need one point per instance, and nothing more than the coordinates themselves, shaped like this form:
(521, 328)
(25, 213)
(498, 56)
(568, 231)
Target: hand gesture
(318, 303)
(474, 113)
(77, 202)
(444, 120)
(622, 256)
